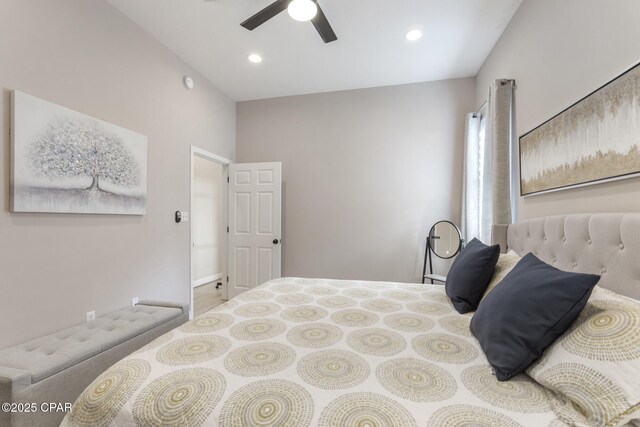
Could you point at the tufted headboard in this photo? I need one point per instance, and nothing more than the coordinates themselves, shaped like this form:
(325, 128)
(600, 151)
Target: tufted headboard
(604, 244)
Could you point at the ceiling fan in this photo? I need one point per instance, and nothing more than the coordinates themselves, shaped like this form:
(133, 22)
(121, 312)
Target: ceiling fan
(300, 10)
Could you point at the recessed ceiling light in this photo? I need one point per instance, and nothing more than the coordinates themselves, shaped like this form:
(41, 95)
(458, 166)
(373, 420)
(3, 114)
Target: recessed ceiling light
(255, 58)
(188, 82)
(413, 35)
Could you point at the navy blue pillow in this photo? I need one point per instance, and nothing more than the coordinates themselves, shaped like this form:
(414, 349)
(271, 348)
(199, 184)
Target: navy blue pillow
(526, 312)
(470, 275)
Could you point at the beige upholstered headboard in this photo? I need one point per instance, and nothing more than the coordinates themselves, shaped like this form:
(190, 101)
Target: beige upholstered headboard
(604, 244)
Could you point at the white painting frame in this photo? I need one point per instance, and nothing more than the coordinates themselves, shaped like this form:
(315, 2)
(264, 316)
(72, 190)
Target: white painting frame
(64, 161)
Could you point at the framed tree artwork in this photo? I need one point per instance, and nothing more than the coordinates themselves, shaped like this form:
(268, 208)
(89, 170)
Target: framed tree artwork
(595, 140)
(65, 161)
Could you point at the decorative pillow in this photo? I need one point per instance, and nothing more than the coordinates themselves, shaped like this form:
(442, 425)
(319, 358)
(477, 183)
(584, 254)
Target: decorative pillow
(532, 306)
(470, 274)
(505, 264)
(596, 363)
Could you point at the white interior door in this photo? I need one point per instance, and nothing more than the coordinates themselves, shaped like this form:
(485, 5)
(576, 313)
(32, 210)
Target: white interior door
(255, 248)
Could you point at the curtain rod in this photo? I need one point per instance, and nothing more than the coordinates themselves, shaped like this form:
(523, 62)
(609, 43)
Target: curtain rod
(484, 104)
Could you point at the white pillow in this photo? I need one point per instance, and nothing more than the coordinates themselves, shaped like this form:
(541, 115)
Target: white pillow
(594, 367)
(505, 264)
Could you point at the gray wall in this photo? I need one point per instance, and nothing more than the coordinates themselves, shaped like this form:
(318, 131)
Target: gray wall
(86, 55)
(558, 52)
(365, 172)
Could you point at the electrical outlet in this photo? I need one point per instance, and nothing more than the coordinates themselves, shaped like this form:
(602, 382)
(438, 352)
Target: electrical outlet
(135, 300)
(91, 315)
(185, 216)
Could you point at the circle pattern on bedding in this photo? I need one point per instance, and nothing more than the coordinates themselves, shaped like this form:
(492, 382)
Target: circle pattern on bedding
(257, 309)
(567, 411)
(595, 395)
(294, 299)
(467, 415)
(321, 290)
(378, 286)
(304, 313)
(399, 295)
(442, 298)
(354, 318)
(429, 308)
(268, 403)
(376, 342)
(380, 305)
(258, 329)
(333, 369)
(103, 399)
(162, 339)
(444, 348)
(416, 380)
(285, 288)
(519, 394)
(360, 293)
(336, 301)
(195, 349)
(310, 282)
(415, 287)
(609, 332)
(186, 396)
(256, 295)
(431, 293)
(259, 359)
(341, 284)
(456, 324)
(408, 322)
(314, 335)
(227, 305)
(208, 322)
(365, 410)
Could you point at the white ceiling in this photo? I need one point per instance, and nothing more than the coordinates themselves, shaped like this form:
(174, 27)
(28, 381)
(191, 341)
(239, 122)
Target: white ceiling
(370, 51)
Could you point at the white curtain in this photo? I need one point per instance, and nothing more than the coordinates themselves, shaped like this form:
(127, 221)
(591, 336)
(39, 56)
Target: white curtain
(490, 164)
(471, 179)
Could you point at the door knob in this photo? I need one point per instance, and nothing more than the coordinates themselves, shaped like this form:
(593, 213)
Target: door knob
(276, 241)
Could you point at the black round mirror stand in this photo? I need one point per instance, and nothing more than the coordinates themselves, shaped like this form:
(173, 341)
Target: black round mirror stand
(444, 247)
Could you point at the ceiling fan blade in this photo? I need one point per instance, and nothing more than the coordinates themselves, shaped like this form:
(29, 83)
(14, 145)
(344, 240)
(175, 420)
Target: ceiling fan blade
(265, 14)
(324, 28)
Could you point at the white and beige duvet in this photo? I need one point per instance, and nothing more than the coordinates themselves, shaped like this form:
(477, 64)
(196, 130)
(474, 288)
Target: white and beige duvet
(307, 352)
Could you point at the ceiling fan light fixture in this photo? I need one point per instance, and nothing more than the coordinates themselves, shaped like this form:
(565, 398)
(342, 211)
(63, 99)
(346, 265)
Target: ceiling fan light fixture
(302, 10)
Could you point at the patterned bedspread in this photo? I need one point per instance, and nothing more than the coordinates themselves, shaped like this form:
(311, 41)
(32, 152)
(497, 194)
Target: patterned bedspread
(303, 352)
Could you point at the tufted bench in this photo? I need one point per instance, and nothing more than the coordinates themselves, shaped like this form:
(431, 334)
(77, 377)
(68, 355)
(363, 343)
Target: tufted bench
(58, 367)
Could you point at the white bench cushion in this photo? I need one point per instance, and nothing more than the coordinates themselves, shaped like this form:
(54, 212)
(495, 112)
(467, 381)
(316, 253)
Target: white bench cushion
(53, 353)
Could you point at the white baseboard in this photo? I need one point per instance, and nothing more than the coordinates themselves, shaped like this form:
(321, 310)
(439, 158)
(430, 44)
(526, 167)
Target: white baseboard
(206, 280)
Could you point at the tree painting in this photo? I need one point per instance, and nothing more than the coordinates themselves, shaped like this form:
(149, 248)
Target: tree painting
(64, 161)
(71, 148)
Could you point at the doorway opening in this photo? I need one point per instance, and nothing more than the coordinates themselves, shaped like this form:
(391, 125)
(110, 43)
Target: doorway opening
(208, 287)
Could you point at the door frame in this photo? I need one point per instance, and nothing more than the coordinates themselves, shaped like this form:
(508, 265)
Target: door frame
(207, 155)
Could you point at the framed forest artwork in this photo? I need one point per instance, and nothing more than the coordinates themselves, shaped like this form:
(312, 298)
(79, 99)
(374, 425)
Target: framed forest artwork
(595, 140)
(65, 161)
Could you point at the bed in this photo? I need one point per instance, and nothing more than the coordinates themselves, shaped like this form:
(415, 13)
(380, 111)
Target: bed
(302, 352)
